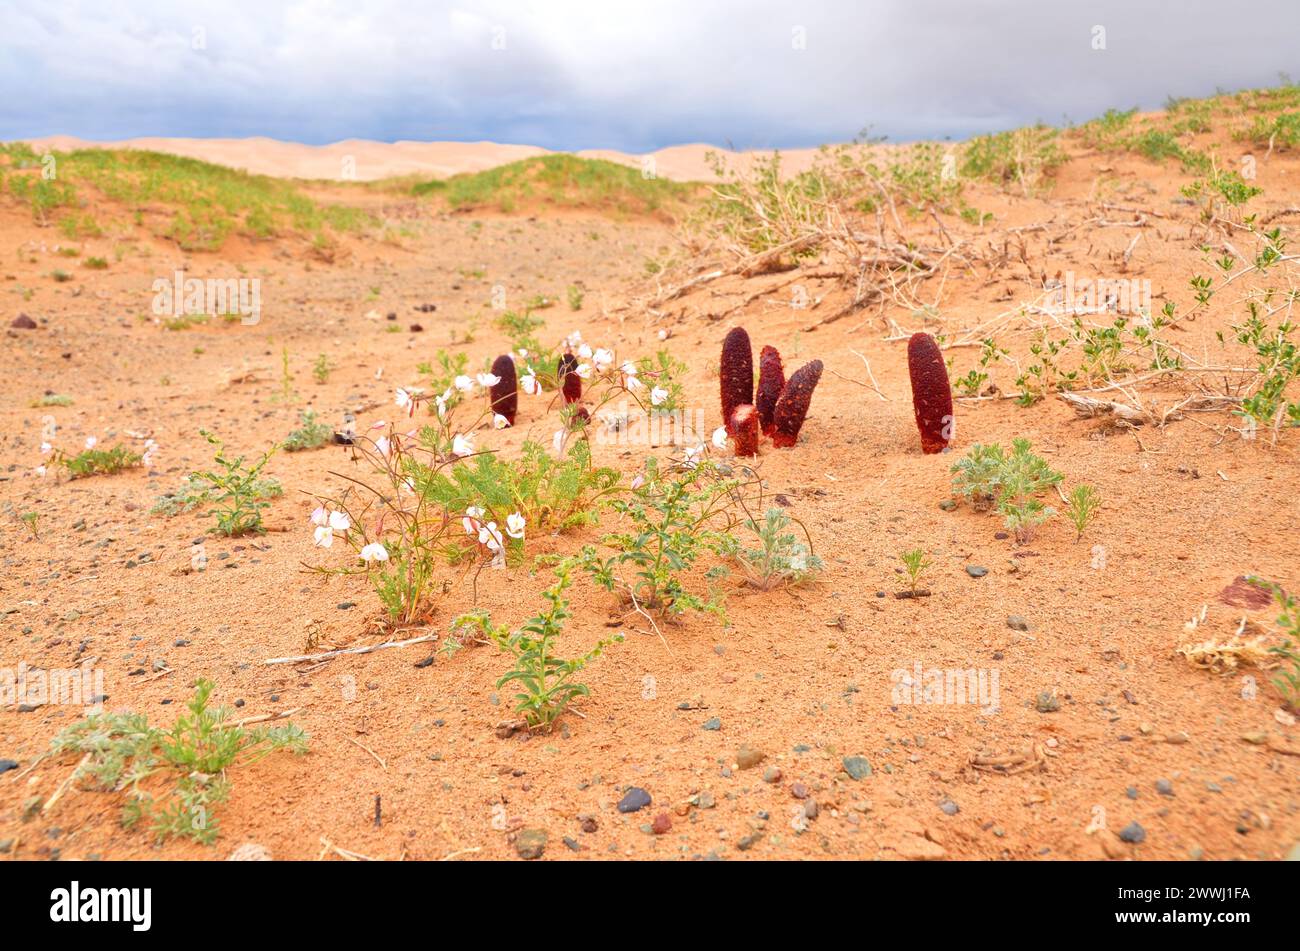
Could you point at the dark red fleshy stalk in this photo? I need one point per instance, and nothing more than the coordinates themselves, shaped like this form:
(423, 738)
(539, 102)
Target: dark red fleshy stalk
(744, 429)
(771, 381)
(737, 373)
(505, 392)
(792, 407)
(570, 382)
(931, 392)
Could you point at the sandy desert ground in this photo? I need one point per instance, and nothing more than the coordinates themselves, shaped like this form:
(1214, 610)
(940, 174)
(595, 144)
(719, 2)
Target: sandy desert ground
(751, 743)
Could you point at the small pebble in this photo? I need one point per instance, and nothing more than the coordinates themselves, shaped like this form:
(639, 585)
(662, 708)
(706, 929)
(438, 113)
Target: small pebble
(1133, 833)
(634, 799)
(530, 843)
(857, 767)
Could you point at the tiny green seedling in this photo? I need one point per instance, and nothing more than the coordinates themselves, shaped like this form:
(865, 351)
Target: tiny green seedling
(120, 751)
(91, 462)
(237, 494)
(310, 434)
(1287, 681)
(1082, 508)
(915, 564)
(545, 681)
(286, 394)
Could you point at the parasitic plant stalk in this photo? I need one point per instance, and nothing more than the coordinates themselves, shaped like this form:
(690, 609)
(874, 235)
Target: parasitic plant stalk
(505, 392)
(792, 407)
(570, 382)
(744, 429)
(771, 381)
(931, 393)
(737, 373)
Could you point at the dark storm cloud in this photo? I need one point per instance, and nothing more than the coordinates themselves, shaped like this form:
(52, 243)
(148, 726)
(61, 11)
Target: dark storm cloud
(630, 75)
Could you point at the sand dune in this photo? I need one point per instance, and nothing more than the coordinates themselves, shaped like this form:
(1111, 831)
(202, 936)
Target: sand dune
(365, 160)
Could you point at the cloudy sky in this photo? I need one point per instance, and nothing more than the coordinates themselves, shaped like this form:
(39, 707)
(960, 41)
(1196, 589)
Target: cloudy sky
(626, 74)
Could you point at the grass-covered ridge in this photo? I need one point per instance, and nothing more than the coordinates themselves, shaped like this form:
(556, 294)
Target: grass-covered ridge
(564, 181)
(204, 203)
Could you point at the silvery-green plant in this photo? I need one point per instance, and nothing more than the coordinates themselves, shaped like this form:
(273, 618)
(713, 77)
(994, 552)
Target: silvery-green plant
(781, 558)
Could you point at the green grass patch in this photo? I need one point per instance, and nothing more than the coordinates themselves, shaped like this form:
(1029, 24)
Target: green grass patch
(563, 181)
(208, 202)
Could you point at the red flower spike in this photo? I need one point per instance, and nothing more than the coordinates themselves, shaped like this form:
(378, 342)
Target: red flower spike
(744, 429)
(792, 407)
(737, 373)
(505, 392)
(931, 393)
(570, 382)
(771, 381)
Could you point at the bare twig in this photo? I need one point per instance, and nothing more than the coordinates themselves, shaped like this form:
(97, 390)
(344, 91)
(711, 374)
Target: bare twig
(352, 650)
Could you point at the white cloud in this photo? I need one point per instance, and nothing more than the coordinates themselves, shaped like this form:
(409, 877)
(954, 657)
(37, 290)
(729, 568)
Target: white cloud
(589, 73)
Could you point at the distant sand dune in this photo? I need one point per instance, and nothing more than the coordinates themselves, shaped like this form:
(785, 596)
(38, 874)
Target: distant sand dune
(376, 160)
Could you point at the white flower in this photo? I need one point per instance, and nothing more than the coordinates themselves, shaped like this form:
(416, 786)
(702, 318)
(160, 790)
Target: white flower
(633, 383)
(663, 335)
(40, 470)
(46, 448)
(470, 521)
(90, 442)
(383, 445)
(515, 525)
(374, 552)
(327, 523)
(499, 421)
(463, 445)
(658, 395)
(584, 351)
(583, 370)
(720, 437)
(529, 383)
(558, 440)
(441, 403)
(464, 384)
(522, 353)
(799, 562)
(693, 455)
(574, 338)
(638, 481)
(150, 450)
(487, 380)
(602, 358)
(490, 536)
(403, 399)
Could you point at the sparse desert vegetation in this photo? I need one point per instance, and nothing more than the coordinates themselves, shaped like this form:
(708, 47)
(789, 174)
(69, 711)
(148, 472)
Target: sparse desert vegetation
(1022, 403)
